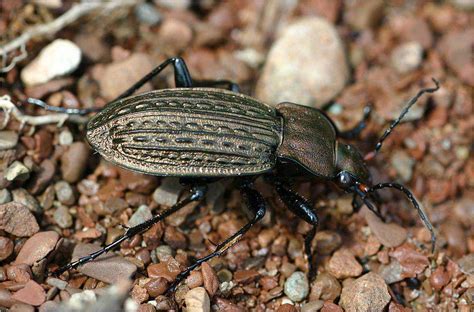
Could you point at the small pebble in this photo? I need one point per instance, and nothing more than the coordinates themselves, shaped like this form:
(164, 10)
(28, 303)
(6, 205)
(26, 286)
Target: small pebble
(364, 14)
(164, 252)
(156, 286)
(174, 4)
(74, 161)
(22, 307)
(403, 164)
(56, 282)
(343, 264)
(389, 234)
(17, 171)
(167, 193)
(6, 247)
(142, 214)
(407, 57)
(311, 74)
(16, 219)
(32, 294)
(439, 278)
(327, 242)
(312, 306)
(297, 286)
(20, 195)
(62, 217)
(5, 196)
(65, 193)
(325, 287)
(129, 70)
(107, 267)
(37, 247)
(367, 293)
(147, 13)
(412, 261)
(58, 58)
(197, 300)
(466, 264)
(392, 272)
(8, 139)
(210, 280)
(43, 177)
(65, 137)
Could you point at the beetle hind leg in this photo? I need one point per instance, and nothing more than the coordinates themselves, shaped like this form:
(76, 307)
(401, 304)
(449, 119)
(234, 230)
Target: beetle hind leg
(257, 204)
(196, 194)
(302, 209)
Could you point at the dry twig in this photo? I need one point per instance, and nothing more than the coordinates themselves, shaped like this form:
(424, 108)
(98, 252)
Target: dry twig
(56, 25)
(10, 109)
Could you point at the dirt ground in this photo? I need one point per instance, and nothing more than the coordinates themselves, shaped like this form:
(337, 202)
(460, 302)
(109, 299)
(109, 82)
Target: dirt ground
(59, 199)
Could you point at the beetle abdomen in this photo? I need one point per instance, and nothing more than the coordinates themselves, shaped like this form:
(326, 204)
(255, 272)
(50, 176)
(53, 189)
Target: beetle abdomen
(188, 132)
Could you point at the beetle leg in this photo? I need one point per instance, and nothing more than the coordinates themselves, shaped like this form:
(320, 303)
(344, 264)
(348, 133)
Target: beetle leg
(354, 133)
(182, 77)
(197, 193)
(227, 84)
(256, 203)
(301, 208)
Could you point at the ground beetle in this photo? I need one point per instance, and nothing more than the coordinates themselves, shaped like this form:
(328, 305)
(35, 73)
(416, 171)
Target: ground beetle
(199, 132)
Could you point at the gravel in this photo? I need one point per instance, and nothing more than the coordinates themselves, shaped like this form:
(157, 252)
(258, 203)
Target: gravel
(16, 219)
(37, 247)
(197, 300)
(297, 286)
(8, 139)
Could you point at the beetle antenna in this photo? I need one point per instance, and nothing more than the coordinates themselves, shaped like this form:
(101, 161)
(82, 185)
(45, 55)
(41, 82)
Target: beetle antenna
(389, 130)
(420, 210)
(70, 111)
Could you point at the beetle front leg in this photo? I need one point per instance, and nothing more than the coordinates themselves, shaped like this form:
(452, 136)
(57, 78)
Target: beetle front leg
(301, 208)
(227, 84)
(182, 77)
(256, 203)
(197, 193)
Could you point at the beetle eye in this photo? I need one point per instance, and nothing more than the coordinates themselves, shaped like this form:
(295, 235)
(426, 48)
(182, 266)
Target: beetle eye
(345, 179)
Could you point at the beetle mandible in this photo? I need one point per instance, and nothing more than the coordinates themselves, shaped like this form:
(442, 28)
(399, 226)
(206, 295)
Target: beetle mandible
(199, 132)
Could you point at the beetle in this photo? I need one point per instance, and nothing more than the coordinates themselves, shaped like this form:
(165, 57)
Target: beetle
(200, 132)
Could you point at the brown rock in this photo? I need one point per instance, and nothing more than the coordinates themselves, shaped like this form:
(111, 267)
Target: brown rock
(108, 268)
(246, 276)
(227, 305)
(343, 264)
(43, 143)
(156, 286)
(325, 287)
(129, 70)
(413, 262)
(37, 247)
(287, 308)
(146, 307)
(194, 279)
(20, 273)
(439, 278)
(211, 283)
(364, 14)
(74, 161)
(389, 234)
(136, 182)
(327, 242)
(367, 293)
(331, 307)
(22, 307)
(42, 178)
(197, 300)
(32, 294)
(456, 47)
(16, 219)
(454, 234)
(168, 270)
(139, 294)
(6, 299)
(174, 238)
(268, 282)
(6, 247)
(174, 35)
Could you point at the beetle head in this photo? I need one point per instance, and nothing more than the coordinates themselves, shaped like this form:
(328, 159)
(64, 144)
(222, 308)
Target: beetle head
(350, 166)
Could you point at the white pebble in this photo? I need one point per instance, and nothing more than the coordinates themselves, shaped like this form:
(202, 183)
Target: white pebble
(407, 57)
(197, 300)
(59, 58)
